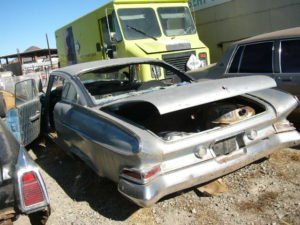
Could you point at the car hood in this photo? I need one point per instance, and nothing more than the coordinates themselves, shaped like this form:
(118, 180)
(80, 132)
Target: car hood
(163, 46)
(186, 95)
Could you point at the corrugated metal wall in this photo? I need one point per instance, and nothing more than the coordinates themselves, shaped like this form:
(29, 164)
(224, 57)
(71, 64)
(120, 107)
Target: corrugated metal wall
(220, 25)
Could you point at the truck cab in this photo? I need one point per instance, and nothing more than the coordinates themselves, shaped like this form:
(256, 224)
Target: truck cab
(160, 29)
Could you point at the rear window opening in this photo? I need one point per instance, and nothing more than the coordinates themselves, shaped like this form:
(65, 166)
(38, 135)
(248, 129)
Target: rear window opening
(174, 125)
(117, 82)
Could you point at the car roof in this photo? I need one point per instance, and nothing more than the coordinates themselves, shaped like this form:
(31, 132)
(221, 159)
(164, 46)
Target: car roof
(286, 33)
(86, 67)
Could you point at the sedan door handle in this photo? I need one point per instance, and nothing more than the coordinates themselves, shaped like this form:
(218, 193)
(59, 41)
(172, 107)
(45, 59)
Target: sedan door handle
(35, 117)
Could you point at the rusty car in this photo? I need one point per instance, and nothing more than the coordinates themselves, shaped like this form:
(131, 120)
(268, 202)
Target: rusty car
(22, 189)
(157, 137)
(20, 106)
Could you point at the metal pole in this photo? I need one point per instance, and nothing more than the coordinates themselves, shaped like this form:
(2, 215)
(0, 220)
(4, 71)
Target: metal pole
(49, 52)
(20, 62)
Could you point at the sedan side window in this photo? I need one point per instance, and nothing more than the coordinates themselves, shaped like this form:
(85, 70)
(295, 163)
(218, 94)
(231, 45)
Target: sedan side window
(25, 91)
(234, 68)
(58, 82)
(69, 93)
(254, 58)
(290, 56)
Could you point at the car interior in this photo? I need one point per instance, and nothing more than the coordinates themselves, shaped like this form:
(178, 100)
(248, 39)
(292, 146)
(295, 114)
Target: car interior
(121, 80)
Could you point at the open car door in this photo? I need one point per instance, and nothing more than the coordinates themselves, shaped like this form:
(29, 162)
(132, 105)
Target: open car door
(24, 118)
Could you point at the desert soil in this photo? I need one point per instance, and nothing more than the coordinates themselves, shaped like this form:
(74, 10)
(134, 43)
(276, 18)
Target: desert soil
(266, 192)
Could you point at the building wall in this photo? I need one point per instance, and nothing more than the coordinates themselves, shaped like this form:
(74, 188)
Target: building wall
(220, 25)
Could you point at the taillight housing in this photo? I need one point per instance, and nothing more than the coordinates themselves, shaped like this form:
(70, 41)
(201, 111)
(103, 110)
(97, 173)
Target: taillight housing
(32, 192)
(141, 176)
(203, 59)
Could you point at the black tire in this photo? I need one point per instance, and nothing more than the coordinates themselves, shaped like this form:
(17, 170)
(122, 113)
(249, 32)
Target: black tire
(40, 217)
(2, 106)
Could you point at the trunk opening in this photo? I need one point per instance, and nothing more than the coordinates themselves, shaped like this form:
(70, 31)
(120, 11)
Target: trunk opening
(174, 125)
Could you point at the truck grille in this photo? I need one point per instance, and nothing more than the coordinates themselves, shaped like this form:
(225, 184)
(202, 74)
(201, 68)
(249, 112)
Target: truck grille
(178, 60)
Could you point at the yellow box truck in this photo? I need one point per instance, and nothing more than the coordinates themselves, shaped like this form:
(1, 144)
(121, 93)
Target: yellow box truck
(161, 29)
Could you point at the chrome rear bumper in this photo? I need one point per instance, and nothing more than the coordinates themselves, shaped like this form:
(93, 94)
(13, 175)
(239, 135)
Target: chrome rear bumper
(148, 194)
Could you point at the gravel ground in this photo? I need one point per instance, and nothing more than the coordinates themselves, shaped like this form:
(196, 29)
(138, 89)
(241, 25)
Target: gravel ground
(266, 192)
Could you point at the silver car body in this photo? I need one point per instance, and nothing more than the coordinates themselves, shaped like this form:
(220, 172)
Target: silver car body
(128, 138)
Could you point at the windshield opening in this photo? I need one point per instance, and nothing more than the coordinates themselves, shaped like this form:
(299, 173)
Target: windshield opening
(139, 23)
(176, 21)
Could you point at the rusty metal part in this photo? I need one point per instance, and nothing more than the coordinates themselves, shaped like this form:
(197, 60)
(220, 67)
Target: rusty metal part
(6, 215)
(215, 187)
(9, 99)
(230, 113)
(6, 222)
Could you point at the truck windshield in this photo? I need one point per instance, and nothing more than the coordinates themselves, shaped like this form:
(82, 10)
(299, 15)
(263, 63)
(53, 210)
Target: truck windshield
(176, 21)
(139, 23)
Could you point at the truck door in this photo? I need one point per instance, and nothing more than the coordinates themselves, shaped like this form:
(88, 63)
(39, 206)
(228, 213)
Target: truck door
(70, 46)
(110, 34)
(106, 44)
(24, 118)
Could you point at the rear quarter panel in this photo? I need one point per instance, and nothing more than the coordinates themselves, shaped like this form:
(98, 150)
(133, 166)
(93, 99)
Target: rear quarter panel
(101, 143)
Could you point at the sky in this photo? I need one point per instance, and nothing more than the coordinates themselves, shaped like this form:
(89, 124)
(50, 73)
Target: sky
(24, 23)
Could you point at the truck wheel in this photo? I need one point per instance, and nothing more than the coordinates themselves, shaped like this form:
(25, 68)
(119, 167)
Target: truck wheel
(2, 106)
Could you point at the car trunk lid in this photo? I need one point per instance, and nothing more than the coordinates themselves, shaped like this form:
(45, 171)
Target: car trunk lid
(185, 95)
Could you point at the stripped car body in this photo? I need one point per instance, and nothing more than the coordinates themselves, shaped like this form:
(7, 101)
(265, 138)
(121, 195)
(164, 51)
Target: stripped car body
(20, 106)
(22, 189)
(155, 138)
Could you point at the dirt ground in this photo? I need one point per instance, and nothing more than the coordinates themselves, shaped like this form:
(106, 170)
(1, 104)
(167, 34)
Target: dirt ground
(266, 192)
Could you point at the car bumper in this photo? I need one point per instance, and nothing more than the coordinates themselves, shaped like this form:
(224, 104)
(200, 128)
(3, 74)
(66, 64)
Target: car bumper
(147, 194)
